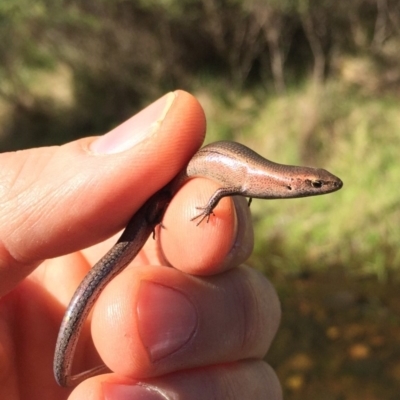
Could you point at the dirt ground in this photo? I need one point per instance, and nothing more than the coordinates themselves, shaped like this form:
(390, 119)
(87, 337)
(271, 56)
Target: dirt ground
(339, 338)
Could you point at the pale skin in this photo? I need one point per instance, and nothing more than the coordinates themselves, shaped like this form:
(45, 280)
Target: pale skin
(198, 330)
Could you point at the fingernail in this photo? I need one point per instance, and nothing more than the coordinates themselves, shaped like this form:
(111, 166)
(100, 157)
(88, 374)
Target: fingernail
(167, 319)
(113, 391)
(135, 129)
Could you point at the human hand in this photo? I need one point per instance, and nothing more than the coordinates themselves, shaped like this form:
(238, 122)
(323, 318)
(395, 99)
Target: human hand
(195, 331)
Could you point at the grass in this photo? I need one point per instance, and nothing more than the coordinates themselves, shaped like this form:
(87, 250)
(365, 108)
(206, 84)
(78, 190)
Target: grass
(354, 136)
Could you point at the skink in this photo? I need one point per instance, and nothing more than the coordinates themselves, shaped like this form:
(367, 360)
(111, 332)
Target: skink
(239, 171)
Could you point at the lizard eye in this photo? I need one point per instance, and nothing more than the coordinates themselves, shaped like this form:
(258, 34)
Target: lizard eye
(316, 184)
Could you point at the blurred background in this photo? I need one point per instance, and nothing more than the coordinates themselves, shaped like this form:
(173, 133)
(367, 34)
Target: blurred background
(308, 82)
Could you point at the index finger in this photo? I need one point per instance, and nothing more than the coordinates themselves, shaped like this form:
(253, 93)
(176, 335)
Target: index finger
(211, 246)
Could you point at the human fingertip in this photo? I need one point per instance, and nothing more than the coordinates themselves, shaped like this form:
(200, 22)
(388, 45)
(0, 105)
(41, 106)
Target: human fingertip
(169, 324)
(136, 129)
(242, 246)
(114, 391)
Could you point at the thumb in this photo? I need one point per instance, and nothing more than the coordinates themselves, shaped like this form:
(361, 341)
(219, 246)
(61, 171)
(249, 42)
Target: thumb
(57, 200)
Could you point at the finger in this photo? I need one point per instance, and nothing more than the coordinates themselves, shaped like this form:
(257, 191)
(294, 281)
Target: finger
(151, 321)
(59, 199)
(250, 380)
(211, 246)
